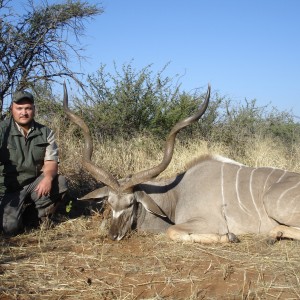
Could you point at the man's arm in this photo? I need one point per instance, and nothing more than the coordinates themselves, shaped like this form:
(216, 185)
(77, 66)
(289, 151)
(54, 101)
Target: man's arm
(50, 168)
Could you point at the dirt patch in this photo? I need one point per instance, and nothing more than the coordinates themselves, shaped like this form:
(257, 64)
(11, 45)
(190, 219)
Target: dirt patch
(76, 260)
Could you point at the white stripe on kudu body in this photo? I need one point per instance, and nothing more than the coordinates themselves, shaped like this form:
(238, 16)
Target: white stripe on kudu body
(251, 193)
(284, 193)
(242, 206)
(267, 179)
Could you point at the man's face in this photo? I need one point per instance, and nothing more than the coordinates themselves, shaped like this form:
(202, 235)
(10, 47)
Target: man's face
(23, 112)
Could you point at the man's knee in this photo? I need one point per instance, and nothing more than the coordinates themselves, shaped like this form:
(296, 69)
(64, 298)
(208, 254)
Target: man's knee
(11, 210)
(50, 207)
(12, 224)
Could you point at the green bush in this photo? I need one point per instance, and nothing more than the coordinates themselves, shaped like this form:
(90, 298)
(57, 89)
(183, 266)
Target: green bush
(129, 103)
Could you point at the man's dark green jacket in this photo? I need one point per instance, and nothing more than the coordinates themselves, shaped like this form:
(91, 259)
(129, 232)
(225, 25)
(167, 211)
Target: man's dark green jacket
(21, 159)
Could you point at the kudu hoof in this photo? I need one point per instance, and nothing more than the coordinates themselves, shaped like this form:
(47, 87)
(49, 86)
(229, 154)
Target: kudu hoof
(233, 238)
(273, 239)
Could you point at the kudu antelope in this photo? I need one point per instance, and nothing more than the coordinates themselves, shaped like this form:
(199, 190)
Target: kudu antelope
(213, 201)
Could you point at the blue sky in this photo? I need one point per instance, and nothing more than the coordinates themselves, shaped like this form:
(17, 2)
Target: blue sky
(245, 49)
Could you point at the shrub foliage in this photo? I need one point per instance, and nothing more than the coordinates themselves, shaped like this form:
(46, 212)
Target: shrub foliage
(128, 103)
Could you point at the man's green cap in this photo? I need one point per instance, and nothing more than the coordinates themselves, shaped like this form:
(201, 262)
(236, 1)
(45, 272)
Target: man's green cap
(21, 95)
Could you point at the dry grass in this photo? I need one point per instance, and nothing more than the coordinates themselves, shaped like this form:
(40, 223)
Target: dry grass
(76, 260)
(267, 152)
(122, 157)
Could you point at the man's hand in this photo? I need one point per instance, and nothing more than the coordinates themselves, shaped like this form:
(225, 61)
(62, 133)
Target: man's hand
(50, 170)
(44, 187)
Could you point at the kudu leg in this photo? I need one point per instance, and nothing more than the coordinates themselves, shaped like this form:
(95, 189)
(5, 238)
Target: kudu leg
(186, 233)
(282, 231)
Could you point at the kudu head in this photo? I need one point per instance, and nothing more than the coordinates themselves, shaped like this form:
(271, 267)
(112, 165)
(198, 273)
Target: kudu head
(121, 195)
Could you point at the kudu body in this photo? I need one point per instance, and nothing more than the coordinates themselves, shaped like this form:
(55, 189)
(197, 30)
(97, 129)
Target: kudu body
(213, 201)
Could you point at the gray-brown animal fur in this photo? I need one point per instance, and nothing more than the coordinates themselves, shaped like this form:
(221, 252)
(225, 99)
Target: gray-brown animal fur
(213, 201)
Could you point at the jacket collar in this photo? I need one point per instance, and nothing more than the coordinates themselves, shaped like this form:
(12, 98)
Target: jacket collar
(17, 130)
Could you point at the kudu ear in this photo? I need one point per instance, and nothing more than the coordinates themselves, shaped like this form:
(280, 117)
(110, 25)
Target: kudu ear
(149, 204)
(96, 194)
